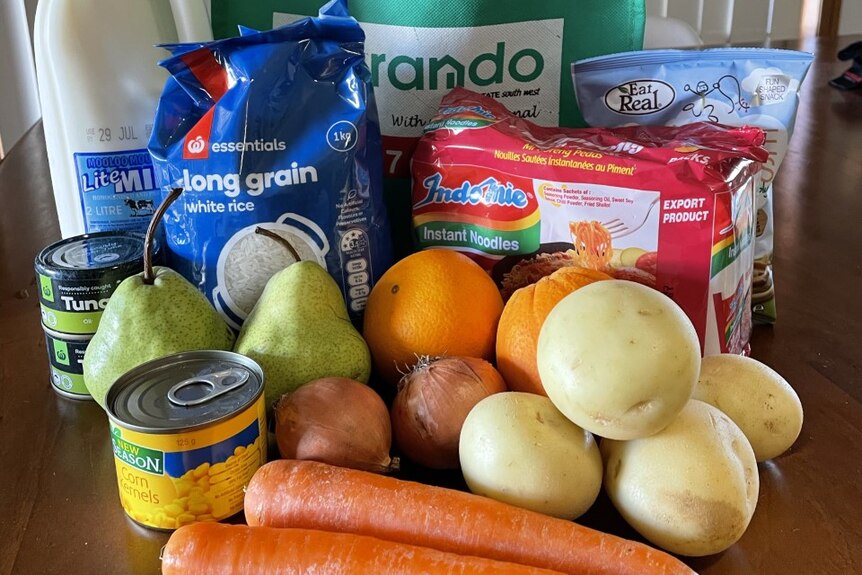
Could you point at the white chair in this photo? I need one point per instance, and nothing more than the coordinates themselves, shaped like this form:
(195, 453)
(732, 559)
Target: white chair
(722, 22)
(662, 32)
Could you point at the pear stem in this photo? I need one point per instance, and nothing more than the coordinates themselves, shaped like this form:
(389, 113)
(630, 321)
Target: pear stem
(149, 276)
(283, 241)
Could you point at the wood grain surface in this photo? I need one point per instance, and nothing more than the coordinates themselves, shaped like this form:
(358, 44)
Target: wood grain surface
(58, 494)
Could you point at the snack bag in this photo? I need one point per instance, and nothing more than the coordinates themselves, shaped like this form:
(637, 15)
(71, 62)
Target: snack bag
(732, 86)
(671, 208)
(275, 130)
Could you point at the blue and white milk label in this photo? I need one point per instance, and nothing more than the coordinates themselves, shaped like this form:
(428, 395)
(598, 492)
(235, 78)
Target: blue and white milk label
(118, 190)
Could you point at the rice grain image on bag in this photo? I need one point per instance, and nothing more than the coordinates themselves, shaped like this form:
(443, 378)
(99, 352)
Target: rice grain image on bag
(275, 130)
(418, 50)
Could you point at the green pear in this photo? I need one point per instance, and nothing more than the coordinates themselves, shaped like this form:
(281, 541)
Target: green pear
(299, 331)
(150, 315)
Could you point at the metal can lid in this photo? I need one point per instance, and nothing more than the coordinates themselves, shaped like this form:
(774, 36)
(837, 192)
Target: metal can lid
(94, 255)
(184, 391)
(67, 337)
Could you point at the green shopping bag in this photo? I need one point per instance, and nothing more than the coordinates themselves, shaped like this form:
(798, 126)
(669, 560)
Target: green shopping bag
(417, 50)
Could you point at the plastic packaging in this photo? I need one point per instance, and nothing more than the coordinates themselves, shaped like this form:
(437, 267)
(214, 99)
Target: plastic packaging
(732, 86)
(671, 208)
(274, 130)
(418, 50)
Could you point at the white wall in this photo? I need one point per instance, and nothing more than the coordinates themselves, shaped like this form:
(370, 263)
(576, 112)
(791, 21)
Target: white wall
(19, 102)
(851, 17)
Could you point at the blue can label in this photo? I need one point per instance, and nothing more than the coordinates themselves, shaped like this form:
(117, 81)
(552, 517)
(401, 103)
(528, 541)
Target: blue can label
(118, 190)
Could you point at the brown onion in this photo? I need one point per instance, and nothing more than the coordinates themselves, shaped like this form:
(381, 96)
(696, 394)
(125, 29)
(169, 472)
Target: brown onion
(432, 403)
(338, 421)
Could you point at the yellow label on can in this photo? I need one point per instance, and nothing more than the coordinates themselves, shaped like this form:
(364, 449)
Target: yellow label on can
(167, 480)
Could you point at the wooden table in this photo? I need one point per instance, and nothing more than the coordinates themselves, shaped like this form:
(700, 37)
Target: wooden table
(58, 492)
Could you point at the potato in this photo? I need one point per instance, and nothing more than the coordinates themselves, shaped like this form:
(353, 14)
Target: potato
(517, 448)
(756, 398)
(618, 358)
(691, 488)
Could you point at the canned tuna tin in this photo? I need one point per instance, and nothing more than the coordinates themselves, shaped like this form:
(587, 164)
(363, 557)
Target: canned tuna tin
(78, 275)
(188, 432)
(66, 356)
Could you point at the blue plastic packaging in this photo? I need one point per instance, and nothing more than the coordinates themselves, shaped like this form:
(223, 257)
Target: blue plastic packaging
(276, 130)
(733, 86)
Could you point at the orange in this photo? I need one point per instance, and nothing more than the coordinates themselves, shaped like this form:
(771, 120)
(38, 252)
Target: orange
(434, 302)
(522, 319)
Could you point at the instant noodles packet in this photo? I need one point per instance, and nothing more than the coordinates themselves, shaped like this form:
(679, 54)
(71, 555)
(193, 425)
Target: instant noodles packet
(275, 130)
(732, 86)
(671, 208)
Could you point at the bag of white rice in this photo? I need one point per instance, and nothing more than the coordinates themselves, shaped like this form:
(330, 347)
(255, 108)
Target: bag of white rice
(275, 130)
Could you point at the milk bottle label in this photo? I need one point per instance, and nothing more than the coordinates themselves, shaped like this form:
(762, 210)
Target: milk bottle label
(118, 190)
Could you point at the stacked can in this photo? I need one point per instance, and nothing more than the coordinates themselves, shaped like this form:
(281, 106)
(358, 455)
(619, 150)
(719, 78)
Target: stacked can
(76, 278)
(188, 432)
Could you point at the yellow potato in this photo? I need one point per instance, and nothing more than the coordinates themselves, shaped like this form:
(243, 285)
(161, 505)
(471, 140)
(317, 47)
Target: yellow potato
(517, 448)
(618, 359)
(691, 488)
(756, 398)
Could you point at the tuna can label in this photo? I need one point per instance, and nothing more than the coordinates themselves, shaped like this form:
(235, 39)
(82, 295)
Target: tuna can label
(167, 480)
(66, 359)
(74, 306)
(77, 276)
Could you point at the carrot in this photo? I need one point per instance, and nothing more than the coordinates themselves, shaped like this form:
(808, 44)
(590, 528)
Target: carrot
(216, 549)
(310, 495)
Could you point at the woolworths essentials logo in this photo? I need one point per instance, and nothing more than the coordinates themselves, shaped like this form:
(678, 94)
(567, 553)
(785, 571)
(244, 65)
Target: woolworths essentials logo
(197, 145)
(142, 458)
(47, 288)
(404, 72)
(61, 352)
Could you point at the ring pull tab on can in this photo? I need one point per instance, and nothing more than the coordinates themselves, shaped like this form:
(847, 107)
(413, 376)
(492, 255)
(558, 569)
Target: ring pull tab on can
(218, 383)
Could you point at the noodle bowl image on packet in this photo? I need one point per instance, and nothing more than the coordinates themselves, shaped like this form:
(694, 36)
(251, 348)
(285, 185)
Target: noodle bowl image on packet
(731, 86)
(671, 208)
(275, 130)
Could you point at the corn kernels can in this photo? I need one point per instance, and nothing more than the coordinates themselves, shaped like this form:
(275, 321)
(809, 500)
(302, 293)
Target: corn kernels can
(188, 432)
